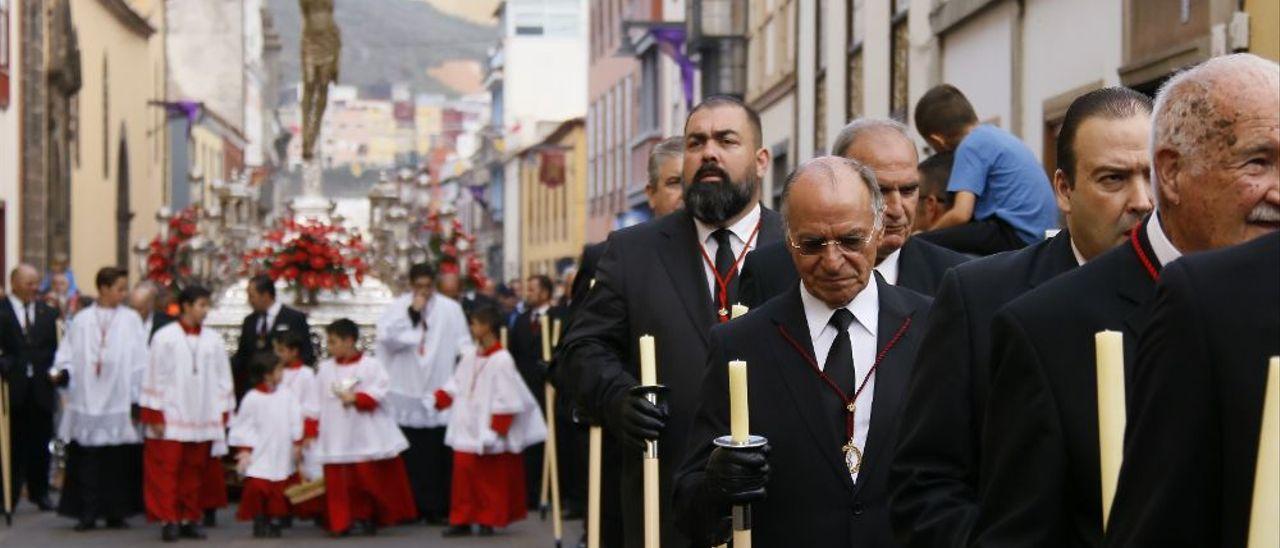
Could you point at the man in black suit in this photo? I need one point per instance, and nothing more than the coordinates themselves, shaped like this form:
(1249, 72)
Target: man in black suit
(268, 318)
(828, 363)
(525, 345)
(1214, 146)
(1198, 385)
(672, 278)
(1103, 190)
(143, 300)
(884, 146)
(28, 342)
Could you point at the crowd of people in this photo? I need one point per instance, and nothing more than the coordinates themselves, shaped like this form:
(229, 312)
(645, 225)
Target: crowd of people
(919, 340)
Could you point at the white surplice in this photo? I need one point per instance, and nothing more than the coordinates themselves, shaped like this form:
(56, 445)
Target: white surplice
(484, 386)
(301, 381)
(268, 424)
(421, 358)
(348, 434)
(105, 355)
(188, 379)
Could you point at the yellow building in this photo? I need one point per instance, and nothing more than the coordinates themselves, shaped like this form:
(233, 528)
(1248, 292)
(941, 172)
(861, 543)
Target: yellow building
(1264, 27)
(553, 196)
(117, 160)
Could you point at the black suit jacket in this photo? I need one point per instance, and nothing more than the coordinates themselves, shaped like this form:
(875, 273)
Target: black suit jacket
(935, 473)
(1039, 478)
(650, 281)
(1195, 400)
(36, 349)
(811, 499)
(525, 345)
(288, 319)
(591, 254)
(770, 271)
(158, 320)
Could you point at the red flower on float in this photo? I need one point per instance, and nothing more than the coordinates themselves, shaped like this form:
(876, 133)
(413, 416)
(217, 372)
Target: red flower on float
(309, 255)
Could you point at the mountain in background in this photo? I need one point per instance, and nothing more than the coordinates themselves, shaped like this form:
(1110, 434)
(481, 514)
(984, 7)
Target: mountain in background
(388, 42)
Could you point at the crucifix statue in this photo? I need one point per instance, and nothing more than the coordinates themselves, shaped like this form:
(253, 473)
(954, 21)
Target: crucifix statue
(321, 43)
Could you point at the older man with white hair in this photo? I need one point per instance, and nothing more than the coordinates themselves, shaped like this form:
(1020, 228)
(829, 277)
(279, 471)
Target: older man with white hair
(884, 146)
(833, 354)
(1215, 145)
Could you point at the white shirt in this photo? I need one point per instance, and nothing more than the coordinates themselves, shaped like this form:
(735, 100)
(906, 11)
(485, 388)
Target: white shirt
(484, 386)
(348, 434)
(1080, 260)
(420, 358)
(739, 233)
(1165, 251)
(270, 318)
(188, 378)
(268, 424)
(105, 354)
(300, 380)
(888, 268)
(865, 307)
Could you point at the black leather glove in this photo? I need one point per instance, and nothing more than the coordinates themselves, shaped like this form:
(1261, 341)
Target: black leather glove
(737, 476)
(633, 420)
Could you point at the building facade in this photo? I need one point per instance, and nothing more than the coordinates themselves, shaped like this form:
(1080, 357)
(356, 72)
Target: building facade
(10, 136)
(553, 194)
(113, 159)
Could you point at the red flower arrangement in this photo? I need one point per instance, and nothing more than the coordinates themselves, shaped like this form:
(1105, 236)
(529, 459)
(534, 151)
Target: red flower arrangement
(168, 261)
(453, 250)
(309, 256)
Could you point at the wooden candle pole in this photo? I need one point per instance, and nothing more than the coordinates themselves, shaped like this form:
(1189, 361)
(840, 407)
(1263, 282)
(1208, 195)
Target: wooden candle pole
(649, 378)
(594, 449)
(1264, 530)
(1111, 414)
(6, 451)
(549, 453)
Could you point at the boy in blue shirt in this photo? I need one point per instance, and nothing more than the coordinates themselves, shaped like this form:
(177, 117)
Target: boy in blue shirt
(1001, 197)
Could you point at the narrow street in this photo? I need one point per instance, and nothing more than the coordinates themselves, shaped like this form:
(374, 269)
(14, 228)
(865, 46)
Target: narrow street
(31, 529)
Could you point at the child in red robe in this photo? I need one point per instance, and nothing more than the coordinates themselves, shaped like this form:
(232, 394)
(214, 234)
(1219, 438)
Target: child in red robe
(266, 432)
(359, 442)
(494, 418)
(186, 401)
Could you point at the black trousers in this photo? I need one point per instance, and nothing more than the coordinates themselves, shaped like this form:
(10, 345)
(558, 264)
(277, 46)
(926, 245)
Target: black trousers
(986, 237)
(429, 463)
(32, 428)
(102, 482)
(533, 475)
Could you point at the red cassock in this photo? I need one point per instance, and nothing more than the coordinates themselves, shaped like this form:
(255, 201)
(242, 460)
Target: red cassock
(213, 488)
(371, 490)
(173, 472)
(262, 497)
(487, 489)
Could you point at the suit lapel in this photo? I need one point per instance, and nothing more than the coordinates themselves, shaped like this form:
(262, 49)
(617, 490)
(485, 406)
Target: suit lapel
(770, 228)
(891, 375)
(681, 256)
(1135, 285)
(803, 384)
(911, 266)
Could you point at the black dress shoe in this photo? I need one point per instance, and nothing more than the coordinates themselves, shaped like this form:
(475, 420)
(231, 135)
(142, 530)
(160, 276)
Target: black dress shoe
(457, 531)
(117, 523)
(84, 524)
(259, 526)
(273, 528)
(43, 504)
(192, 531)
(364, 528)
(435, 520)
(169, 533)
(486, 531)
(211, 518)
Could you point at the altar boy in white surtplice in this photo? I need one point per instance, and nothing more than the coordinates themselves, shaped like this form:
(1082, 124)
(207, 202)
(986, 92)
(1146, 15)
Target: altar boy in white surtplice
(359, 443)
(495, 417)
(100, 363)
(266, 433)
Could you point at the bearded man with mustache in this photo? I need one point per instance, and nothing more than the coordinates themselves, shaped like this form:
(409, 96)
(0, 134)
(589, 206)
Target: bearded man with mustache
(674, 278)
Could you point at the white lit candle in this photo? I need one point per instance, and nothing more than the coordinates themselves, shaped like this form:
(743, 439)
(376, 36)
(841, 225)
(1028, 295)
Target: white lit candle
(648, 362)
(739, 423)
(1111, 414)
(737, 310)
(1264, 530)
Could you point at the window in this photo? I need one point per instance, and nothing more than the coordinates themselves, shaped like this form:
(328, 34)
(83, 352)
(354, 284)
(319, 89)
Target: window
(649, 92)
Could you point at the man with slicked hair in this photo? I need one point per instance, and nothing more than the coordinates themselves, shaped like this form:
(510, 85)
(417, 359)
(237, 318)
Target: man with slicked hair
(1103, 190)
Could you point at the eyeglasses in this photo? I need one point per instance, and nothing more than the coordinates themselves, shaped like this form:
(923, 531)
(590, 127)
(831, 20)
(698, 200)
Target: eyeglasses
(818, 246)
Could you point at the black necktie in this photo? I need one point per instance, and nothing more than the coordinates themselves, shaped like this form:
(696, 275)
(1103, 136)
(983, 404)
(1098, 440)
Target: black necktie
(839, 366)
(724, 263)
(26, 311)
(262, 325)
